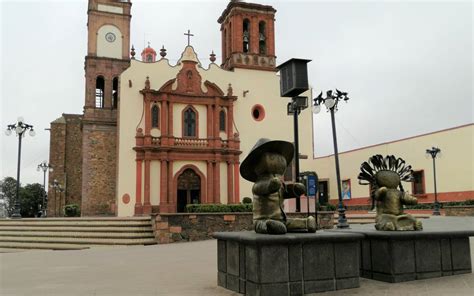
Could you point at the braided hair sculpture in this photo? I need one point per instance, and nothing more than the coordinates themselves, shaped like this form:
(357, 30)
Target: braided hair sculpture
(376, 163)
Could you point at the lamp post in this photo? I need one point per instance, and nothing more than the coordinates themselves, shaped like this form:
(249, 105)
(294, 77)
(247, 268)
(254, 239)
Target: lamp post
(44, 166)
(331, 101)
(434, 152)
(20, 128)
(293, 82)
(57, 188)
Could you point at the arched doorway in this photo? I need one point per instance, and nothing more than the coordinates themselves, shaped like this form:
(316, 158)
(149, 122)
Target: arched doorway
(189, 189)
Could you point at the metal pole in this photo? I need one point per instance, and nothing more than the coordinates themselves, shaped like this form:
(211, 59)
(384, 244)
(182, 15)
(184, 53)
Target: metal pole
(55, 204)
(436, 205)
(341, 221)
(44, 194)
(297, 153)
(16, 209)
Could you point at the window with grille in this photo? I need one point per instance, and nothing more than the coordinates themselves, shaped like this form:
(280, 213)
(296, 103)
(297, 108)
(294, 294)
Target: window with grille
(190, 123)
(155, 116)
(222, 121)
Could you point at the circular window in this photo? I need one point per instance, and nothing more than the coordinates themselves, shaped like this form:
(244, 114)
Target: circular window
(110, 37)
(258, 112)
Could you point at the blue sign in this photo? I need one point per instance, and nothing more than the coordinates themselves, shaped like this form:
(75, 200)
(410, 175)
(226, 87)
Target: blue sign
(312, 186)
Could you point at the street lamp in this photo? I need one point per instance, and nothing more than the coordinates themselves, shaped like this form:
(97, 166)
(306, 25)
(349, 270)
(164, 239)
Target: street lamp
(20, 128)
(293, 82)
(331, 101)
(44, 166)
(57, 188)
(434, 152)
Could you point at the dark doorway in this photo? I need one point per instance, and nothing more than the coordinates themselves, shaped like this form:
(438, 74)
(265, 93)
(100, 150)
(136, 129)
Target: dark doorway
(323, 192)
(189, 190)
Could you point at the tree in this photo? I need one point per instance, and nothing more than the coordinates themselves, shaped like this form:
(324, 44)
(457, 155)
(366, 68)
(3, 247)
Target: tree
(8, 188)
(31, 197)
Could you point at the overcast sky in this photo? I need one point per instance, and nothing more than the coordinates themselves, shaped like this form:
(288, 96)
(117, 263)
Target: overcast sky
(406, 65)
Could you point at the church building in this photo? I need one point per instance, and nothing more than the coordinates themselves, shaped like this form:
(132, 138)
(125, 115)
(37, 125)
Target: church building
(156, 136)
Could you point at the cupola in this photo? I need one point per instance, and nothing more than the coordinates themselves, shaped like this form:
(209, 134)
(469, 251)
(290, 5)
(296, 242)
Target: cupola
(149, 54)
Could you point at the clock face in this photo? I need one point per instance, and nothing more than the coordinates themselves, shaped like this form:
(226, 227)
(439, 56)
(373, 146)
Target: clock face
(110, 37)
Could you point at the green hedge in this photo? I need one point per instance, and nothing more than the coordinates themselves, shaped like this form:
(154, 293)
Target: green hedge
(246, 200)
(72, 210)
(218, 208)
(428, 206)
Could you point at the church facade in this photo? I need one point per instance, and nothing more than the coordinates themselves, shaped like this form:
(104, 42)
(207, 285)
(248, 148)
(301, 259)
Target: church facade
(156, 136)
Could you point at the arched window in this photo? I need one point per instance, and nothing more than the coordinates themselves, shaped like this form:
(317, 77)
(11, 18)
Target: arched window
(155, 116)
(222, 121)
(262, 44)
(99, 92)
(115, 93)
(246, 35)
(189, 123)
(149, 58)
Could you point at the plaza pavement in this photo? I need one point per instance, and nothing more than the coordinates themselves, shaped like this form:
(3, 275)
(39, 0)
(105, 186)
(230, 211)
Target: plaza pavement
(174, 269)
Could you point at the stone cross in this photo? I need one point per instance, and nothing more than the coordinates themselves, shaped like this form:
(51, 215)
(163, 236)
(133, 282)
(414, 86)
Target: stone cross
(189, 36)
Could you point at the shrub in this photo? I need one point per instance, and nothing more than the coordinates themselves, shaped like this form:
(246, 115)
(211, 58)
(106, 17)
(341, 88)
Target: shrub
(327, 207)
(246, 200)
(72, 210)
(218, 208)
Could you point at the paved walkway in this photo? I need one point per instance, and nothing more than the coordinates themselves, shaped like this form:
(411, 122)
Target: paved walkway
(174, 269)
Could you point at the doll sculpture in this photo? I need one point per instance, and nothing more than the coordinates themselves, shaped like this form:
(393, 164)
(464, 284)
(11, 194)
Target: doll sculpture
(385, 175)
(265, 166)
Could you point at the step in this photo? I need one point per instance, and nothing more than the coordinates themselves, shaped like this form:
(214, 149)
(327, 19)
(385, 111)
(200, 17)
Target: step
(54, 228)
(90, 223)
(124, 235)
(44, 246)
(144, 218)
(78, 240)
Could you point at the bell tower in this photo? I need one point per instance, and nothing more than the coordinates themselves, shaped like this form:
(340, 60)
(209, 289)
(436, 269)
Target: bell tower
(107, 57)
(248, 36)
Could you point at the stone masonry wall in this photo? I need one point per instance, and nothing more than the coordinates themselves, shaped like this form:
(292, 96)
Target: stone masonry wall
(98, 170)
(459, 211)
(73, 164)
(57, 156)
(170, 228)
(66, 160)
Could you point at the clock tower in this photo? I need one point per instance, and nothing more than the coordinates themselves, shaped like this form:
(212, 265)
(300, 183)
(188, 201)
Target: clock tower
(107, 57)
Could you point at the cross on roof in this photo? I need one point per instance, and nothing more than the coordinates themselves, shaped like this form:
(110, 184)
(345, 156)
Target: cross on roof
(189, 36)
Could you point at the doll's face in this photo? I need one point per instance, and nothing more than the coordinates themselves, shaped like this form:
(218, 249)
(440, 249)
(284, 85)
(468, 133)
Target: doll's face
(271, 163)
(388, 179)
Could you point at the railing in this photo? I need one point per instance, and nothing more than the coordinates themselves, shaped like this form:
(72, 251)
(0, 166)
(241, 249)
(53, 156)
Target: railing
(187, 142)
(155, 140)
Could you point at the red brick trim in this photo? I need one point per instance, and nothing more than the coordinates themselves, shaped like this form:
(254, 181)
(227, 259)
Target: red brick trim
(146, 203)
(138, 189)
(230, 183)
(163, 182)
(428, 198)
(210, 191)
(236, 183)
(217, 183)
